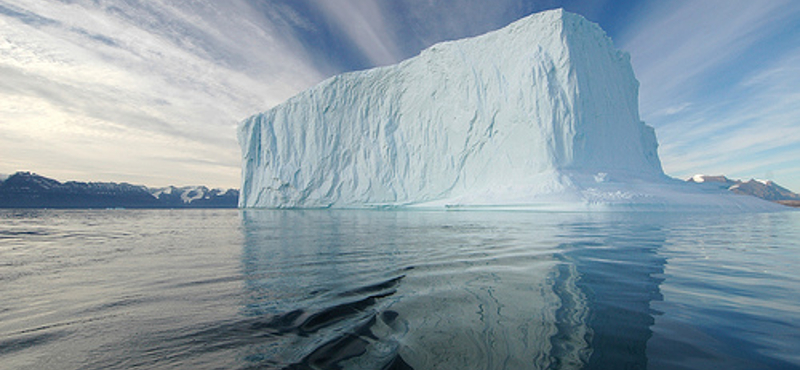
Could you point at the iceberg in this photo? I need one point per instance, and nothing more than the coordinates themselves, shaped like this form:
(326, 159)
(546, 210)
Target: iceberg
(542, 113)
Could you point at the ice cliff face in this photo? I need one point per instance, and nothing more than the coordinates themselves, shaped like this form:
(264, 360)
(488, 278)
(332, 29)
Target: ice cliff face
(525, 114)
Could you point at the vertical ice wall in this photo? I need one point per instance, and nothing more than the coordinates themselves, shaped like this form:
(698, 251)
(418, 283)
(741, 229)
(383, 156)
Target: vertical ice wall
(501, 118)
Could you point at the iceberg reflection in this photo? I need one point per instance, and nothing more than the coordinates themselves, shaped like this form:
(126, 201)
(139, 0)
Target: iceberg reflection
(423, 290)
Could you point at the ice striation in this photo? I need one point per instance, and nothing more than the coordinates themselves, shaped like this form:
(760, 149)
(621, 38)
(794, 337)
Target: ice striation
(542, 113)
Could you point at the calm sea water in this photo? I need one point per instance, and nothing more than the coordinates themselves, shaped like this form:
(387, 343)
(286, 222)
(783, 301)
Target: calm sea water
(230, 289)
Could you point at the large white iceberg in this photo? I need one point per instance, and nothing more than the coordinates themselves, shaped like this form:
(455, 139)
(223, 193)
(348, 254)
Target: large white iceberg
(542, 113)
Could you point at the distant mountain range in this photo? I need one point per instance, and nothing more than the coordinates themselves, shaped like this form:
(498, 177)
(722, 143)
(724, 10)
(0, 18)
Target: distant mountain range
(764, 189)
(29, 190)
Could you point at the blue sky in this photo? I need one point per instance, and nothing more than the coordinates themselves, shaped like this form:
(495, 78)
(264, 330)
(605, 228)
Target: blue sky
(151, 92)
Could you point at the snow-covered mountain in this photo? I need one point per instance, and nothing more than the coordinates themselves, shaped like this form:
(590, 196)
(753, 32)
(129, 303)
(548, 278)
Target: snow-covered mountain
(29, 190)
(764, 189)
(195, 196)
(540, 113)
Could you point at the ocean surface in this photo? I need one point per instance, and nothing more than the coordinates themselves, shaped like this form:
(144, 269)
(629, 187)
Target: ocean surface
(325, 289)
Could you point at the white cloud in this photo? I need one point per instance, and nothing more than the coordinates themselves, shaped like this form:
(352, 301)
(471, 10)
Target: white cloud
(673, 110)
(756, 134)
(678, 43)
(106, 90)
(719, 107)
(364, 23)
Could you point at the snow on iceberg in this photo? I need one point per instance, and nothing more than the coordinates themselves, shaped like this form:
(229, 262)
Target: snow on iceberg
(541, 113)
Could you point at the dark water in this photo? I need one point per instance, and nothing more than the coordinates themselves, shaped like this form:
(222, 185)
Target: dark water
(226, 289)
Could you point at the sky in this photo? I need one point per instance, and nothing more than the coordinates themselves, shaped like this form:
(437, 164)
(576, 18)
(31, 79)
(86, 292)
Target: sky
(151, 92)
